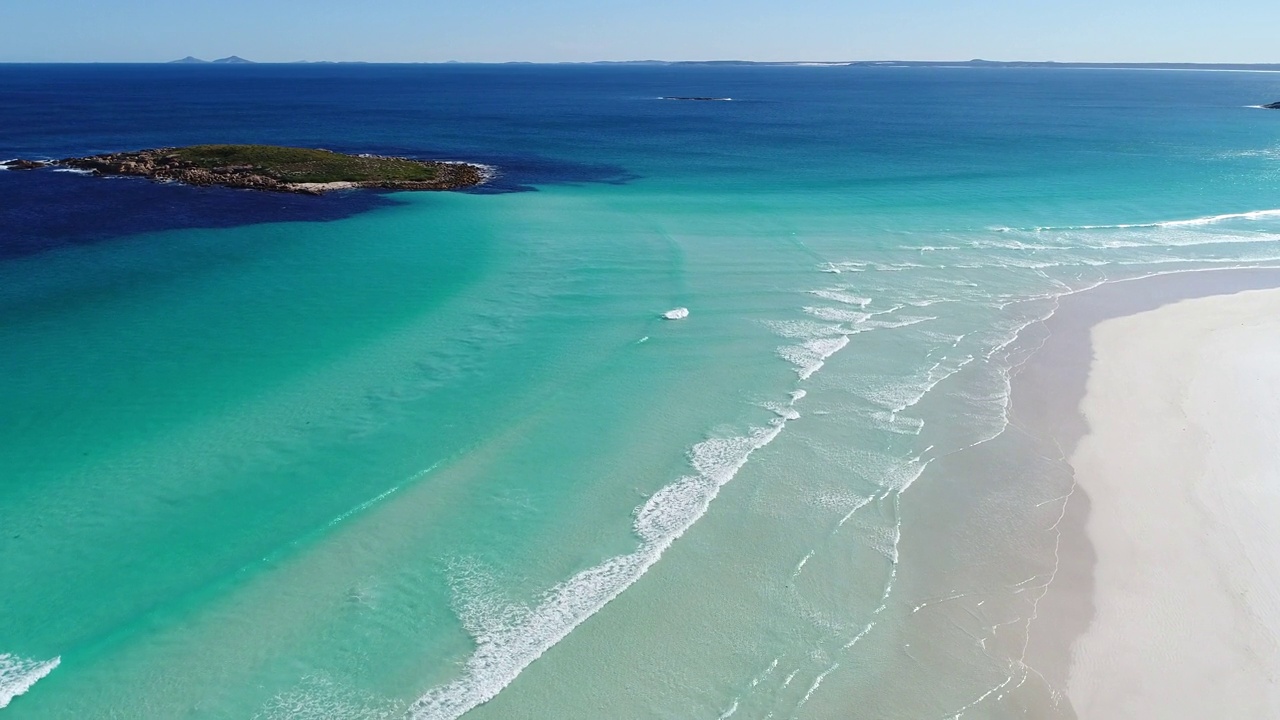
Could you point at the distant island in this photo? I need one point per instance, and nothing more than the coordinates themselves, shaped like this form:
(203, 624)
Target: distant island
(1272, 106)
(274, 168)
(229, 60)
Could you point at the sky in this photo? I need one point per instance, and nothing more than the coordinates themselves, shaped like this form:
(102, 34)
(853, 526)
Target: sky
(1239, 31)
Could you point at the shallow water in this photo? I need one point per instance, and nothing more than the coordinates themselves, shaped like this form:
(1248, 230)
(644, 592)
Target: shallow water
(440, 453)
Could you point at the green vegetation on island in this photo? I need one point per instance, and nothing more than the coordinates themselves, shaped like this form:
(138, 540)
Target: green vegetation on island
(304, 165)
(272, 167)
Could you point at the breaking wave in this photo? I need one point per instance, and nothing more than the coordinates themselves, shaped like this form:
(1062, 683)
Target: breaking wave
(510, 636)
(1191, 222)
(17, 675)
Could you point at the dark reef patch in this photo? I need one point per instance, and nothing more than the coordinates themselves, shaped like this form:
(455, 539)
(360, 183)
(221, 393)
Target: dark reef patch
(50, 209)
(47, 210)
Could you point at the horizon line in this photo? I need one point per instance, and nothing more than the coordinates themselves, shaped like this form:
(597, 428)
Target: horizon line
(811, 63)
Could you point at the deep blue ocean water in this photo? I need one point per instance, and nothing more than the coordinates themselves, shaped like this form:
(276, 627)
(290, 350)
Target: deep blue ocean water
(397, 454)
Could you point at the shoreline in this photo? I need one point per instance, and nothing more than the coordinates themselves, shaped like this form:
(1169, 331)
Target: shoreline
(1047, 392)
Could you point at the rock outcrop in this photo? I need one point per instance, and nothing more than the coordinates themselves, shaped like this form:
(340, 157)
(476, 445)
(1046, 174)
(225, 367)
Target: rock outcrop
(1272, 106)
(24, 164)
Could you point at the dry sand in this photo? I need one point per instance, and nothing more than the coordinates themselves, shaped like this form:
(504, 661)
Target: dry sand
(1181, 467)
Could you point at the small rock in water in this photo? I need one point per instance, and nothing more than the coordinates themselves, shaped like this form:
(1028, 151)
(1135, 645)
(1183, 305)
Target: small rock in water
(24, 164)
(676, 314)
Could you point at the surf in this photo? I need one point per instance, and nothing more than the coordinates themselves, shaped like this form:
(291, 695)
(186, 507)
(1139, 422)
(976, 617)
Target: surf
(511, 636)
(18, 675)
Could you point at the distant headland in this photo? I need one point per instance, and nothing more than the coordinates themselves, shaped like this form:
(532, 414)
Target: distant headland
(273, 168)
(229, 60)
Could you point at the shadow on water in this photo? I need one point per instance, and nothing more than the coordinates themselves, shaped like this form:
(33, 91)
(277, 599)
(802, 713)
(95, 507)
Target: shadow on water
(45, 209)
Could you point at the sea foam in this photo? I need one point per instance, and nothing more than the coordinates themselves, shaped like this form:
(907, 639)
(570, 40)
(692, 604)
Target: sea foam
(809, 356)
(510, 636)
(17, 675)
(841, 296)
(319, 697)
(1189, 222)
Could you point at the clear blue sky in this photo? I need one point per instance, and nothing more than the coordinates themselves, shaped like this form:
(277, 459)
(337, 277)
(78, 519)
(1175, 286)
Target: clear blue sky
(559, 30)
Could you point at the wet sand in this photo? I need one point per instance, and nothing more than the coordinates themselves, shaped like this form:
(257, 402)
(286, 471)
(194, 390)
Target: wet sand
(1120, 631)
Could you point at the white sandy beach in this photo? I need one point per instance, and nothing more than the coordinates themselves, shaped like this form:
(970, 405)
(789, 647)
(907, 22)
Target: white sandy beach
(1182, 467)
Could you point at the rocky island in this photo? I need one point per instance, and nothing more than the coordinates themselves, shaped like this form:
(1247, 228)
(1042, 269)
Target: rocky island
(270, 167)
(1272, 106)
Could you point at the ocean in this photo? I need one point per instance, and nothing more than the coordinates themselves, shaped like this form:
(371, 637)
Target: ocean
(427, 455)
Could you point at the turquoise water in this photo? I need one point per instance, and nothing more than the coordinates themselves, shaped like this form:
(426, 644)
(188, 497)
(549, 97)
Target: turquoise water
(442, 455)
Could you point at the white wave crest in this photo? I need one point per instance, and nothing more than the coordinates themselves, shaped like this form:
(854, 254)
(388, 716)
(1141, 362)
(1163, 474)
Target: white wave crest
(816, 684)
(17, 675)
(804, 329)
(1185, 239)
(782, 410)
(810, 356)
(1190, 222)
(833, 314)
(510, 636)
(904, 321)
(841, 296)
(1212, 219)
